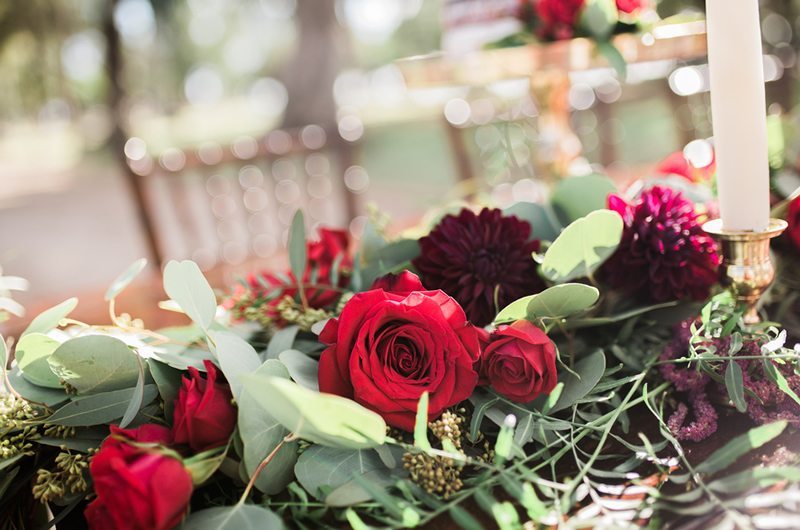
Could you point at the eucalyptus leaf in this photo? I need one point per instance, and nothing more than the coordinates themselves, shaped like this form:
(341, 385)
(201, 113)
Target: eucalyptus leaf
(31, 354)
(186, 286)
(137, 398)
(576, 197)
(49, 319)
(583, 246)
(95, 363)
(99, 409)
(282, 340)
(516, 310)
(544, 224)
(168, 381)
(261, 433)
(325, 419)
(236, 517)
(297, 246)
(125, 279)
(740, 446)
(34, 393)
(236, 357)
(303, 369)
(734, 383)
(590, 369)
(599, 17)
(561, 301)
(324, 469)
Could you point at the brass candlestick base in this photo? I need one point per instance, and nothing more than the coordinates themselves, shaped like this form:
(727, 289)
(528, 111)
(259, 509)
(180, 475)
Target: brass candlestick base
(747, 268)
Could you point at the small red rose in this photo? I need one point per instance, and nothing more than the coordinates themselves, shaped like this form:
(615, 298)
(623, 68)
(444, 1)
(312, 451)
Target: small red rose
(387, 349)
(631, 6)
(558, 17)
(137, 488)
(793, 218)
(519, 362)
(204, 414)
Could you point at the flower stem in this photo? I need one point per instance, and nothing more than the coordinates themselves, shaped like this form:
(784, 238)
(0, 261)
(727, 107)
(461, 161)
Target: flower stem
(264, 463)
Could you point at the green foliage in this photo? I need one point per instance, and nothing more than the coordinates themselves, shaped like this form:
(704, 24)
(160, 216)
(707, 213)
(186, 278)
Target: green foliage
(235, 517)
(99, 409)
(734, 383)
(31, 353)
(95, 363)
(599, 17)
(303, 369)
(32, 392)
(577, 197)
(583, 246)
(421, 424)
(545, 226)
(281, 340)
(297, 249)
(187, 287)
(559, 301)
(125, 279)
(325, 419)
(236, 357)
(49, 319)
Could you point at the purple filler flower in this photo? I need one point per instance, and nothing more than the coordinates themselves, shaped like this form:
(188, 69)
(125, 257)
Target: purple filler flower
(475, 258)
(664, 253)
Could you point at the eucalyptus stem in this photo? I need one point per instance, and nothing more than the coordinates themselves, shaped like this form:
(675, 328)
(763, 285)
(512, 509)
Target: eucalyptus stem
(264, 463)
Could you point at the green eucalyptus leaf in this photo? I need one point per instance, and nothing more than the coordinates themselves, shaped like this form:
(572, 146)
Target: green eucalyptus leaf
(261, 433)
(421, 424)
(740, 446)
(34, 393)
(325, 419)
(599, 17)
(545, 226)
(322, 470)
(125, 279)
(282, 340)
(577, 197)
(185, 284)
(583, 246)
(236, 517)
(31, 353)
(95, 363)
(734, 382)
(303, 369)
(561, 301)
(516, 310)
(614, 58)
(236, 357)
(99, 409)
(297, 246)
(137, 398)
(168, 381)
(49, 319)
(590, 369)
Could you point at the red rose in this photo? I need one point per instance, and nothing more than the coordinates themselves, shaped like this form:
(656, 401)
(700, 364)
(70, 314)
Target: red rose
(678, 164)
(404, 283)
(265, 290)
(204, 414)
(558, 17)
(519, 362)
(137, 489)
(386, 349)
(631, 6)
(793, 218)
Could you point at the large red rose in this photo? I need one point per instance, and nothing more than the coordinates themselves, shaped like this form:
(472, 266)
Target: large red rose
(519, 362)
(137, 488)
(265, 290)
(204, 414)
(558, 17)
(793, 218)
(386, 349)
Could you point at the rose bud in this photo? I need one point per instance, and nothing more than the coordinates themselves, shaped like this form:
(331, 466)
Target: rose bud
(519, 362)
(137, 488)
(793, 218)
(404, 283)
(204, 414)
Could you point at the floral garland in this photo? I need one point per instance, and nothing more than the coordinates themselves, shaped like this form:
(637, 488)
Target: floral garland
(350, 389)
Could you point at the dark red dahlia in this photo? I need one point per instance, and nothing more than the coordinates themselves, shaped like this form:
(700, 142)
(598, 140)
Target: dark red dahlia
(664, 253)
(471, 257)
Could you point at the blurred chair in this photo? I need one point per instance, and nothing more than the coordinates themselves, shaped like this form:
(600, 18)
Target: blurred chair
(229, 207)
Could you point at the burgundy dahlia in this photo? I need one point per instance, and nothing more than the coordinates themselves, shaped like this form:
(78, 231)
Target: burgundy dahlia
(475, 258)
(664, 253)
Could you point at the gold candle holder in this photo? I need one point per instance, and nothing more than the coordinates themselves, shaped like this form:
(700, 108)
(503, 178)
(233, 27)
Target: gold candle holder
(747, 268)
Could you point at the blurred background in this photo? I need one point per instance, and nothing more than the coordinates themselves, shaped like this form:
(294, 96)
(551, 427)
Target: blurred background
(195, 128)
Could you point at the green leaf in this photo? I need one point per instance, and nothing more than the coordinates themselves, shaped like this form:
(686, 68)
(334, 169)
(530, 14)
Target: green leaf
(735, 385)
(261, 433)
(517, 310)
(136, 399)
(3, 360)
(168, 381)
(282, 340)
(323, 471)
(740, 446)
(35, 393)
(236, 357)
(421, 424)
(614, 58)
(583, 246)
(8, 478)
(590, 370)
(95, 363)
(463, 519)
(297, 246)
(186, 286)
(561, 301)
(303, 369)
(50, 318)
(31, 353)
(577, 197)
(236, 517)
(599, 17)
(544, 224)
(325, 419)
(202, 466)
(777, 377)
(99, 409)
(124, 279)
(553, 398)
